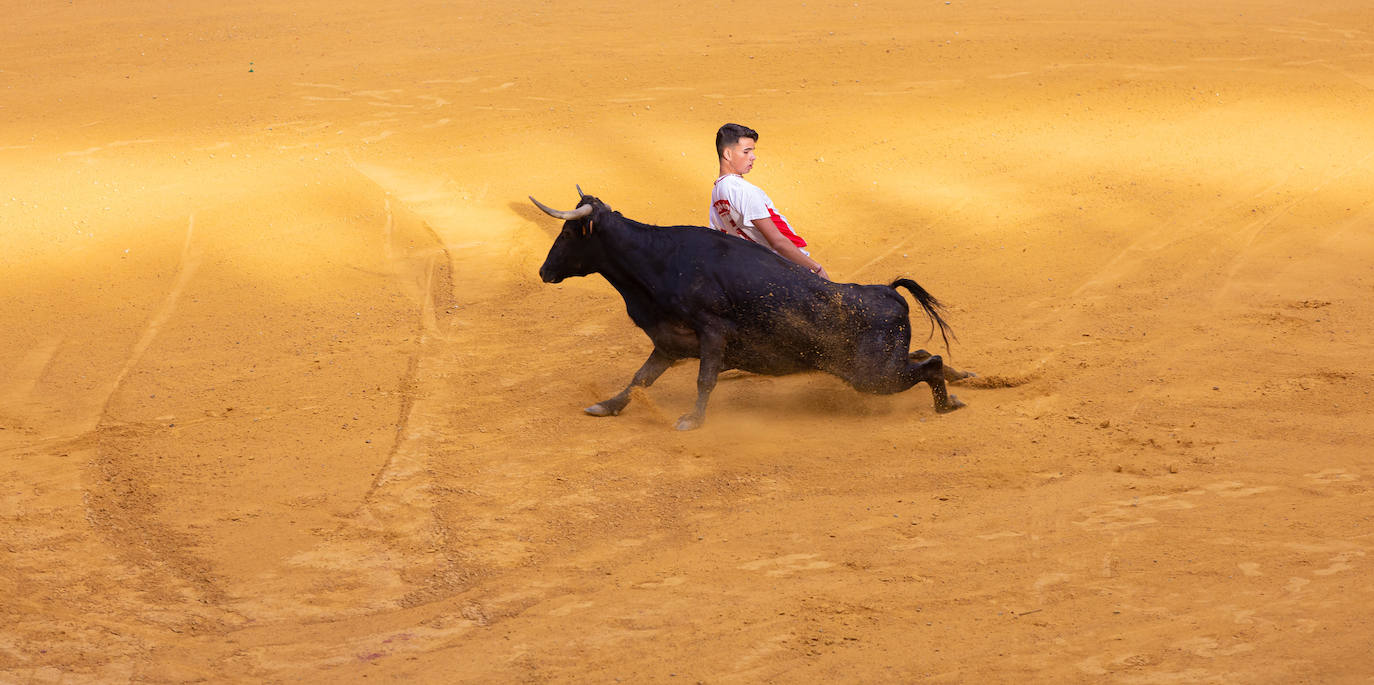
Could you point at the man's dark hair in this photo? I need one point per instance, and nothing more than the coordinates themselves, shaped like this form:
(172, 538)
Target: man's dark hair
(730, 134)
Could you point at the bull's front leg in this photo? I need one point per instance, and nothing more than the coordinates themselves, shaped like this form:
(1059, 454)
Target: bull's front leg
(712, 358)
(653, 367)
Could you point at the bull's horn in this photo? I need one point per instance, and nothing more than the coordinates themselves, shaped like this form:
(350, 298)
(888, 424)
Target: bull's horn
(579, 190)
(579, 213)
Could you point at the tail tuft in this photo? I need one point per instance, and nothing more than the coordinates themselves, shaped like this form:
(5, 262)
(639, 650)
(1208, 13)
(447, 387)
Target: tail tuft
(932, 306)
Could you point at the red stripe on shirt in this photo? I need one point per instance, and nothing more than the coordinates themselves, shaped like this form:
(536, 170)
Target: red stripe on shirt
(784, 229)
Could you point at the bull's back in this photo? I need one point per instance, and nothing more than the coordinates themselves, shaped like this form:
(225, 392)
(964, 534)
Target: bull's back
(779, 319)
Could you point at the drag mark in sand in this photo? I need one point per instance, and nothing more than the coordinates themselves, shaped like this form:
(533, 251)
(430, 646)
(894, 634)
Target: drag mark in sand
(1132, 259)
(387, 229)
(114, 144)
(186, 270)
(1252, 230)
(405, 469)
(911, 235)
(1361, 81)
(24, 376)
(428, 326)
(406, 391)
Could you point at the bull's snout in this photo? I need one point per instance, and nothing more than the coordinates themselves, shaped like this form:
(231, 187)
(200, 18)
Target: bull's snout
(548, 276)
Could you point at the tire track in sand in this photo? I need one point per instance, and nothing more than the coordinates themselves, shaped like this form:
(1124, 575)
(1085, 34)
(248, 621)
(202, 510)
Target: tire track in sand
(1230, 247)
(134, 582)
(89, 411)
(909, 236)
(1243, 246)
(395, 523)
(1251, 231)
(25, 376)
(187, 266)
(118, 504)
(424, 295)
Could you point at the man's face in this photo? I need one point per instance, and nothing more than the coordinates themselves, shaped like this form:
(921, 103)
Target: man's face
(739, 158)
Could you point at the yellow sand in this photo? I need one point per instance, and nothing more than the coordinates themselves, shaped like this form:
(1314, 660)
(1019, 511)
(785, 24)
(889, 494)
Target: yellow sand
(283, 399)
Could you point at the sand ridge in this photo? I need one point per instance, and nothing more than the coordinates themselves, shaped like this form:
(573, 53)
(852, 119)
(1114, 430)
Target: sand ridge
(282, 397)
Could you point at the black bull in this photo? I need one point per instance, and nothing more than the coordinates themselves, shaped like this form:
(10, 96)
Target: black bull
(732, 304)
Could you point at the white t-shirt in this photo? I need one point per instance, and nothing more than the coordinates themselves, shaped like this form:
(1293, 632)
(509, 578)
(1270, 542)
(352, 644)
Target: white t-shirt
(736, 203)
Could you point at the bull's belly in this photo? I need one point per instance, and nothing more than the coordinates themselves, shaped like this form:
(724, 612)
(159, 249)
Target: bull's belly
(772, 357)
(847, 356)
(675, 341)
(847, 348)
(771, 364)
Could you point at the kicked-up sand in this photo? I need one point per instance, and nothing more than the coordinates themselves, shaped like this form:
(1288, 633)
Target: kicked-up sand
(282, 398)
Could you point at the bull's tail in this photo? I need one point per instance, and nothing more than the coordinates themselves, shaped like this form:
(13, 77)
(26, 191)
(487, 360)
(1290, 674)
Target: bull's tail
(931, 305)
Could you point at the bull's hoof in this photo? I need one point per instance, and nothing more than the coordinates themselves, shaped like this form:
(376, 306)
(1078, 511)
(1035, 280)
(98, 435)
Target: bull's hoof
(599, 409)
(950, 405)
(952, 376)
(690, 422)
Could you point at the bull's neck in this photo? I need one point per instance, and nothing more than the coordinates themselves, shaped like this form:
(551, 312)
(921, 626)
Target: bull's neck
(635, 257)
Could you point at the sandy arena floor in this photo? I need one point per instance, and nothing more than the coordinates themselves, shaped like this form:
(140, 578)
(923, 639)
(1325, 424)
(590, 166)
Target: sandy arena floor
(283, 399)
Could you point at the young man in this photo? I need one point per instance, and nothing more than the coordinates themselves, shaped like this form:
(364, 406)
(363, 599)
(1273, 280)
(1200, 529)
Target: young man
(740, 208)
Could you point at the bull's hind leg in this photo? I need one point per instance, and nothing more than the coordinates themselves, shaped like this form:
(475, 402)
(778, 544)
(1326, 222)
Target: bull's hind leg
(899, 373)
(653, 367)
(951, 374)
(932, 371)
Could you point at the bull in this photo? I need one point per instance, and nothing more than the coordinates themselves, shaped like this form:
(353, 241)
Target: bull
(699, 293)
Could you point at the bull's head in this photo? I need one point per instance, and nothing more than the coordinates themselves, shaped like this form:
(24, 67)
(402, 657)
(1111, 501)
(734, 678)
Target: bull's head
(575, 252)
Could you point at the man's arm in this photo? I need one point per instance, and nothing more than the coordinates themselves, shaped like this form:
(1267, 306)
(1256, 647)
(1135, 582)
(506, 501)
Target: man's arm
(784, 247)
